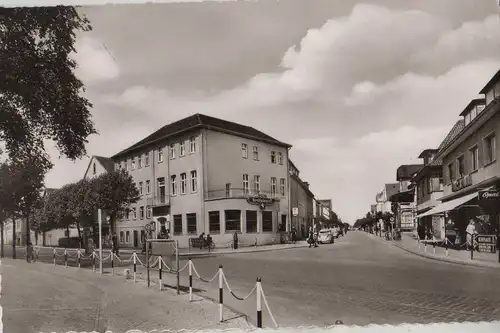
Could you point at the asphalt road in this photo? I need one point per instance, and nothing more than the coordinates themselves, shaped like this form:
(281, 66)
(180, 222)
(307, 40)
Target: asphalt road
(359, 280)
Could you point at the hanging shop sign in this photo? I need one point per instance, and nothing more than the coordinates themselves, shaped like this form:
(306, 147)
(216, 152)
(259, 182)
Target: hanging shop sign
(461, 183)
(486, 243)
(295, 211)
(489, 195)
(260, 200)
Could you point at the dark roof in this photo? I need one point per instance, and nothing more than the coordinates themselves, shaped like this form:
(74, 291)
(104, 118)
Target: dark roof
(452, 134)
(474, 102)
(406, 196)
(391, 189)
(490, 83)
(406, 172)
(425, 152)
(198, 121)
(107, 163)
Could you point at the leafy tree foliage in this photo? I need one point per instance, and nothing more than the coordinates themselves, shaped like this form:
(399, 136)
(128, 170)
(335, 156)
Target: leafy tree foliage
(39, 93)
(115, 191)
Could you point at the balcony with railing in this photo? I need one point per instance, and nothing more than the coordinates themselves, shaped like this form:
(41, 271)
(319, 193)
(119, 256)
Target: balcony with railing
(241, 193)
(158, 200)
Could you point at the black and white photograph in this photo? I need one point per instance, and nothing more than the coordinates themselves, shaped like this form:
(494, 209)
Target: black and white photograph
(267, 164)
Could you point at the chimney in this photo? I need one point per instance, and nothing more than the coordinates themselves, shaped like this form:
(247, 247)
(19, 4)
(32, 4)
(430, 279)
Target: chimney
(306, 184)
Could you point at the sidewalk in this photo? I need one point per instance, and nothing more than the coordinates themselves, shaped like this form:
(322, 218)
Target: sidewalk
(81, 300)
(410, 244)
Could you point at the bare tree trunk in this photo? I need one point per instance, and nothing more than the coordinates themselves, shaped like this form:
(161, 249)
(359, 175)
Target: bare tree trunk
(28, 232)
(67, 237)
(13, 238)
(79, 234)
(43, 238)
(1, 240)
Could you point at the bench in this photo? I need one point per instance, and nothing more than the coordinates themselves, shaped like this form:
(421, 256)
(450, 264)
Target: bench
(196, 242)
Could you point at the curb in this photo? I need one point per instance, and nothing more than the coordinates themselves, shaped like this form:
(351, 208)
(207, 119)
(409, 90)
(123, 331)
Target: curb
(211, 254)
(441, 258)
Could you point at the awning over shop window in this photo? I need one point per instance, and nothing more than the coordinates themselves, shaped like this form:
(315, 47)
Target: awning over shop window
(449, 205)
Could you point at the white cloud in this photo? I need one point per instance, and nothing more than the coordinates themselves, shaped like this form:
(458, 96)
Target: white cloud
(95, 63)
(382, 84)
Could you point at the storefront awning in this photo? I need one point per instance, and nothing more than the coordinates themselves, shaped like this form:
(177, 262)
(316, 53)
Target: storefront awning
(449, 205)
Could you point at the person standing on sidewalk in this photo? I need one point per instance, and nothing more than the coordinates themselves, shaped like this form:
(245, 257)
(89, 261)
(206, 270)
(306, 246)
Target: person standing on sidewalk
(235, 240)
(471, 233)
(29, 252)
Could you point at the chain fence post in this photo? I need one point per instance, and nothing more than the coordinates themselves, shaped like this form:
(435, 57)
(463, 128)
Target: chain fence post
(112, 262)
(259, 303)
(135, 266)
(159, 272)
(221, 299)
(190, 269)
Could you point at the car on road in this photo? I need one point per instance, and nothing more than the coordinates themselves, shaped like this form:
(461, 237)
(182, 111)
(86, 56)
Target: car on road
(335, 232)
(325, 236)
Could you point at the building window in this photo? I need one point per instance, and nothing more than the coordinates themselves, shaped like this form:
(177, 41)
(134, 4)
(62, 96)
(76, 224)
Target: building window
(191, 223)
(183, 183)
(171, 151)
(214, 221)
(178, 224)
(139, 161)
(148, 187)
(282, 187)
(140, 188)
(182, 148)
(94, 171)
(233, 220)
(132, 166)
(490, 148)
(273, 157)
(126, 165)
(194, 181)
(228, 190)
(474, 158)
(160, 155)
(122, 237)
(251, 220)
(244, 150)
(146, 159)
(245, 184)
(173, 185)
(192, 144)
(148, 212)
(127, 238)
(450, 172)
(273, 186)
(134, 213)
(256, 184)
(162, 193)
(127, 213)
(460, 166)
(280, 158)
(141, 212)
(143, 236)
(267, 221)
(255, 153)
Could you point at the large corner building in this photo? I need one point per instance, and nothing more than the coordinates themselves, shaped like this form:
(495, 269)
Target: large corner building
(203, 174)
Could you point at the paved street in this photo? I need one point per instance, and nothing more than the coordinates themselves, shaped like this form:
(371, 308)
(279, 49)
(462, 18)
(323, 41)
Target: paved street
(42, 298)
(359, 280)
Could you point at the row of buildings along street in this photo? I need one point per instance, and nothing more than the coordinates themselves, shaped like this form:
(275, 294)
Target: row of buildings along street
(206, 175)
(457, 181)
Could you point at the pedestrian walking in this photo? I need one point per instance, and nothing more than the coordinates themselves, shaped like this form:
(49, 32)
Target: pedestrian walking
(29, 252)
(471, 232)
(235, 240)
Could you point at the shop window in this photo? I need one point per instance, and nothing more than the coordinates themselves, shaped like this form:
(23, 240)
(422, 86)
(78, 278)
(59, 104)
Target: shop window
(233, 220)
(267, 221)
(191, 223)
(251, 221)
(178, 224)
(214, 221)
(127, 237)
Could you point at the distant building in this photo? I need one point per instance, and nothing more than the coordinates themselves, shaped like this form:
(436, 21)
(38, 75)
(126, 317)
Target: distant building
(403, 202)
(301, 202)
(382, 198)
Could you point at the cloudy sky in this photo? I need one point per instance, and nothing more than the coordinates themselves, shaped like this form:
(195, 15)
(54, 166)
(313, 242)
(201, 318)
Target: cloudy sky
(357, 87)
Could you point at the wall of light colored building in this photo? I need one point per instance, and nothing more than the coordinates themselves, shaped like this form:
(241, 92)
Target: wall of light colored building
(99, 168)
(485, 171)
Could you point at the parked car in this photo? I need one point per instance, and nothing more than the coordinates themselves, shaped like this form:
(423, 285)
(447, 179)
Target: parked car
(325, 236)
(335, 232)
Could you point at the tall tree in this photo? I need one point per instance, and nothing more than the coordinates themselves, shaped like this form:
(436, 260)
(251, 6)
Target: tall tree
(82, 204)
(39, 93)
(115, 191)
